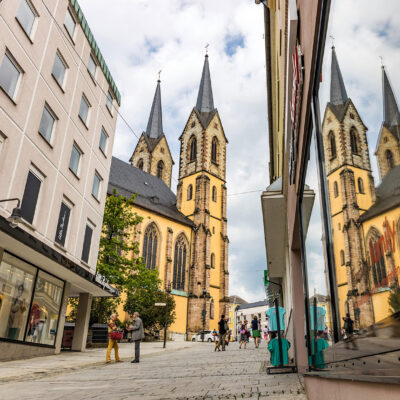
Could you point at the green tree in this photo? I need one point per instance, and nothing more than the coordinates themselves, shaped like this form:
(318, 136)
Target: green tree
(394, 301)
(143, 292)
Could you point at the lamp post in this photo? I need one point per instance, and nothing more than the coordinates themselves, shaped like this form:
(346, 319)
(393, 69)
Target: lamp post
(15, 216)
(204, 313)
(168, 290)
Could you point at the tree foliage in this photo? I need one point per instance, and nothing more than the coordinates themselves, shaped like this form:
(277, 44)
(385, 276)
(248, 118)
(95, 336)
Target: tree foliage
(394, 301)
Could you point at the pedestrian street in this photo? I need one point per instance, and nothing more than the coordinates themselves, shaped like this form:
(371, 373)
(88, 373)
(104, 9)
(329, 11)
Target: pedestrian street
(193, 371)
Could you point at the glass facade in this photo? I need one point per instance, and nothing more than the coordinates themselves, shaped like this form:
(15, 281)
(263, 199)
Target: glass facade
(351, 245)
(30, 302)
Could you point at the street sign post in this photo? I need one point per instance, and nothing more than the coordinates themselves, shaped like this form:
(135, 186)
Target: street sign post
(160, 304)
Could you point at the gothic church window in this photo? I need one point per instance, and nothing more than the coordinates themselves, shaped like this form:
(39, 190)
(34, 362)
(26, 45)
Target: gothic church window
(212, 260)
(342, 260)
(212, 309)
(335, 189)
(332, 144)
(214, 150)
(353, 141)
(160, 169)
(214, 193)
(360, 185)
(140, 164)
(193, 149)
(190, 192)
(150, 246)
(389, 159)
(179, 264)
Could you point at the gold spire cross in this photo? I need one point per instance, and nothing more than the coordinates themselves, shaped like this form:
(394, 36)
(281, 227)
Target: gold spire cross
(381, 60)
(206, 46)
(159, 74)
(332, 39)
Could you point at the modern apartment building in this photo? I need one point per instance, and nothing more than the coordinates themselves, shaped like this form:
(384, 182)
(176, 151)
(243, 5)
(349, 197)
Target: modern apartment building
(58, 113)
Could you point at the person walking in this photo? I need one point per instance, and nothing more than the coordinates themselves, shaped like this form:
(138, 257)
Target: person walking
(223, 329)
(255, 331)
(112, 343)
(243, 334)
(349, 330)
(137, 335)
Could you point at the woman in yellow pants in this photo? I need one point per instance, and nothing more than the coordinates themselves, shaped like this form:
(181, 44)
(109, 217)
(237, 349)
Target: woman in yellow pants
(112, 326)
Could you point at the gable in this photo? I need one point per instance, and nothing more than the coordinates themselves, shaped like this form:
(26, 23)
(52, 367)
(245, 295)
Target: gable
(141, 144)
(162, 143)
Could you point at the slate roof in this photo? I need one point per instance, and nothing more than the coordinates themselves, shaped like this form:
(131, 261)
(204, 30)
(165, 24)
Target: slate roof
(152, 193)
(251, 305)
(387, 195)
(391, 114)
(205, 100)
(154, 128)
(338, 90)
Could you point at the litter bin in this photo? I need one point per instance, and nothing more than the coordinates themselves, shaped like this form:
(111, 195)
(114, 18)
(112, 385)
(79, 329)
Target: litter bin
(99, 333)
(68, 335)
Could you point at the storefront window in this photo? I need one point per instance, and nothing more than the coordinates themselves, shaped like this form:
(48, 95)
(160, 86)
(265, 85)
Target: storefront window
(44, 313)
(16, 286)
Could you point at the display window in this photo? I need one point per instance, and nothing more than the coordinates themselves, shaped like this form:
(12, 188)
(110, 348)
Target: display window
(350, 245)
(30, 302)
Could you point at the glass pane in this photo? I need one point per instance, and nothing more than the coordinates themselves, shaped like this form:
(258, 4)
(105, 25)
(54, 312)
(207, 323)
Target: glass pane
(9, 75)
(74, 160)
(16, 286)
(70, 23)
(92, 66)
(46, 124)
(44, 314)
(103, 141)
(59, 69)
(84, 109)
(109, 101)
(26, 16)
(96, 186)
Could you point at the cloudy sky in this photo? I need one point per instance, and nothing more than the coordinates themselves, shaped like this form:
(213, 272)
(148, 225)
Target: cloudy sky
(140, 37)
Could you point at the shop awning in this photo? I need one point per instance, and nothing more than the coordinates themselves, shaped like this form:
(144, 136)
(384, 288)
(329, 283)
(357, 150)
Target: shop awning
(29, 248)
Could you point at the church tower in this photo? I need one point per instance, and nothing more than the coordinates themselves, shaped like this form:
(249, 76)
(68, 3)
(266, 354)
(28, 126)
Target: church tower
(351, 193)
(152, 152)
(201, 196)
(388, 148)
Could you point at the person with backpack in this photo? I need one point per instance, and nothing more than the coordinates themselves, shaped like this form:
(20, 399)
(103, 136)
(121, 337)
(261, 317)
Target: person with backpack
(243, 334)
(349, 330)
(255, 330)
(222, 330)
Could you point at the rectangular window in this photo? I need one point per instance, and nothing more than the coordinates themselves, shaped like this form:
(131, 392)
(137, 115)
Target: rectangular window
(46, 126)
(16, 286)
(75, 159)
(86, 243)
(109, 102)
(103, 140)
(26, 16)
(62, 224)
(70, 23)
(2, 140)
(92, 66)
(84, 109)
(44, 314)
(30, 198)
(59, 69)
(9, 75)
(96, 185)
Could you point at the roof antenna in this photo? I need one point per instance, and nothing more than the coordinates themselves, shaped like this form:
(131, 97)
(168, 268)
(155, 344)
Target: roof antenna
(159, 75)
(332, 40)
(206, 46)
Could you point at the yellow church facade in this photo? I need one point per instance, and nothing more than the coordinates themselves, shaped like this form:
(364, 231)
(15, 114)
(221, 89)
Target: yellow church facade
(365, 220)
(184, 235)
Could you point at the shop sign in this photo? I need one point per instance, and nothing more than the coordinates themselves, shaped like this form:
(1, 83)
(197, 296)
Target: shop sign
(295, 107)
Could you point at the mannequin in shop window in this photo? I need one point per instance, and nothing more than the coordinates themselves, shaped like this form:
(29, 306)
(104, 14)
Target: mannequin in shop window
(16, 318)
(34, 319)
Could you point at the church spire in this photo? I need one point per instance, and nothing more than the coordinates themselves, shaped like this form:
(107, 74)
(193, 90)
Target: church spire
(205, 101)
(154, 127)
(338, 90)
(391, 114)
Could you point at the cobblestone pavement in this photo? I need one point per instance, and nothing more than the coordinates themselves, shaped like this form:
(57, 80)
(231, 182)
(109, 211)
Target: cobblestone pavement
(191, 373)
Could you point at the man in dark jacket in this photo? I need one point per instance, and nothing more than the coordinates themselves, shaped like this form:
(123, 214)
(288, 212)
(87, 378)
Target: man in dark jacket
(137, 335)
(223, 329)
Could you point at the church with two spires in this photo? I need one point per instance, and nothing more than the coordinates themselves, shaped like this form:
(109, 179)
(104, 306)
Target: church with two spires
(183, 235)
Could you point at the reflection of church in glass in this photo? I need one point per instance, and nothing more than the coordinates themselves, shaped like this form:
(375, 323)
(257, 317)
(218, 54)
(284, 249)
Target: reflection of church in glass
(365, 220)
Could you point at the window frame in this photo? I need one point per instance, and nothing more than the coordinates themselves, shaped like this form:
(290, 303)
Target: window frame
(335, 189)
(64, 63)
(92, 58)
(20, 71)
(32, 31)
(110, 102)
(140, 164)
(214, 195)
(92, 227)
(69, 205)
(85, 99)
(160, 169)
(100, 179)
(193, 149)
(3, 139)
(73, 34)
(78, 169)
(189, 193)
(360, 184)
(104, 151)
(55, 119)
(36, 173)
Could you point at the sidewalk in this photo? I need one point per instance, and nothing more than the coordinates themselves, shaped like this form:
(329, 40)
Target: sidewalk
(67, 361)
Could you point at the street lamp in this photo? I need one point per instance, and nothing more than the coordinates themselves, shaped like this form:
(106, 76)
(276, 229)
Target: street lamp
(168, 291)
(204, 313)
(15, 216)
